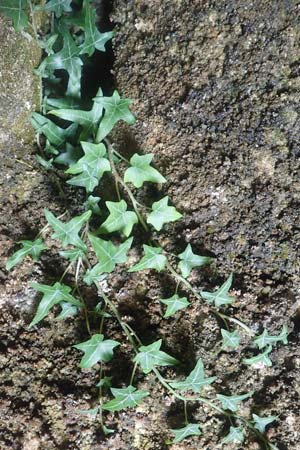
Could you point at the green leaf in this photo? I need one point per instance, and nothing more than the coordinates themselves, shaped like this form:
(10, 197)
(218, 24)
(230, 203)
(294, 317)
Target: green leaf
(260, 423)
(195, 381)
(109, 254)
(191, 429)
(174, 304)
(32, 248)
(67, 232)
(105, 382)
(93, 39)
(67, 310)
(128, 397)
(70, 156)
(119, 218)
(115, 109)
(72, 254)
(265, 339)
(90, 168)
(56, 6)
(235, 435)
(16, 11)
(189, 260)
(92, 204)
(262, 358)
(141, 171)
(220, 297)
(150, 356)
(162, 213)
(52, 296)
(96, 349)
(93, 276)
(231, 402)
(151, 260)
(55, 134)
(230, 339)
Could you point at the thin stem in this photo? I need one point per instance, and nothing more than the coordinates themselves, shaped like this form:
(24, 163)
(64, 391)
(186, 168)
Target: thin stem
(237, 322)
(133, 374)
(66, 271)
(186, 420)
(120, 156)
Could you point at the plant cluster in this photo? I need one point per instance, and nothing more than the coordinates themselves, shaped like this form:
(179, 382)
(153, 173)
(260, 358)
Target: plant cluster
(94, 242)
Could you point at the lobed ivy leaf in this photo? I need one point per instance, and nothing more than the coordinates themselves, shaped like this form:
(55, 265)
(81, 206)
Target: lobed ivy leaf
(195, 380)
(128, 397)
(31, 248)
(261, 423)
(93, 39)
(53, 295)
(265, 339)
(119, 218)
(261, 358)
(115, 109)
(162, 213)
(55, 134)
(220, 297)
(67, 232)
(235, 435)
(94, 275)
(56, 6)
(230, 339)
(141, 171)
(90, 168)
(189, 260)
(109, 254)
(72, 254)
(92, 204)
(96, 349)
(150, 356)
(67, 310)
(231, 402)
(70, 156)
(16, 10)
(174, 304)
(191, 429)
(152, 259)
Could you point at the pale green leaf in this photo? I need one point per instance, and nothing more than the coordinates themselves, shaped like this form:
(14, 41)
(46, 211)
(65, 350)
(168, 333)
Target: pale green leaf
(67, 232)
(261, 423)
(152, 259)
(72, 254)
(191, 429)
(119, 218)
(31, 248)
(141, 171)
(96, 349)
(220, 297)
(67, 310)
(16, 10)
(94, 275)
(92, 204)
(56, 6)
(261, 358)
(128, 397)
(174, 304)
(231, 402)
(162, 213)
(150, 356)
(189, 260)
(230, 339)
(195, 380)
(109, 254)
(265, 339)
(235, 435)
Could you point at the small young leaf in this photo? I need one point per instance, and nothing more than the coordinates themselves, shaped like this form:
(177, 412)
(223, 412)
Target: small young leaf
(162, 213)
(55, 134)
(189, 260)
(52, 296)
(56, 6)
(67, 310)
(151, 260)
(191, 429)
(141, 171)
(115, 109)
(67, 232)
(16, 11)
(235, 435)
(230, 339)
(231, 402)
(220, 297)
(119, 218)
(262, 358)
(95, 350)
(195, 381)
(128, 397)
(72, 254)
(265, 339)
(92, 204)
(260, 423)
(150, 356)
(32, 248)
(174, 304)
(94, 275)
(105, 382)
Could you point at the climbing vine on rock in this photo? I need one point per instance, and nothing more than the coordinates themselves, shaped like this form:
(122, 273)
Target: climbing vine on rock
(77, 135)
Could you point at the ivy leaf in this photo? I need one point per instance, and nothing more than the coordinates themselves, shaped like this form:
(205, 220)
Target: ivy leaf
(70, 156)
(115, 109)
(235, 435)
(16, 11)
(230, 339)
(56, 6)
(67, 310)
(67, 232)
(151, 260)
(262, 358)
(174, 304)
(55, 134)
(266, 339)
(119, 218)
(90, 168)
(93, 39)
(195, 381)
(191, 429)
(96, 349)
(128, 397)
(52, 296)
(109, 254)
(94, 275)
(162, 213)
(220, 297)
(72, 254)
(231, 402)
(92, 204)
(150, 356)
(32, 248)
(141, 171)
(260, 423)
(189, 260)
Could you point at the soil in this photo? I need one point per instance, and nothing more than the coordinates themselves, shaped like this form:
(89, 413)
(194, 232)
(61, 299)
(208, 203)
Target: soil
(215, 87)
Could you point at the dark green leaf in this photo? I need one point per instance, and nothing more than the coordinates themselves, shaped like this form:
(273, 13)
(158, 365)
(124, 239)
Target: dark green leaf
(162, 213)
(189, 260)
(70, 156)
(96, 349)
(128, 397)
(119, 218)
(56, 6)
(55, 134)
(191, 429)
(174, 304)
(16, 11)
(195, 381)
(32, 248)
(141, 171)
(220, 297)
(67, 232)
(150, 356)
